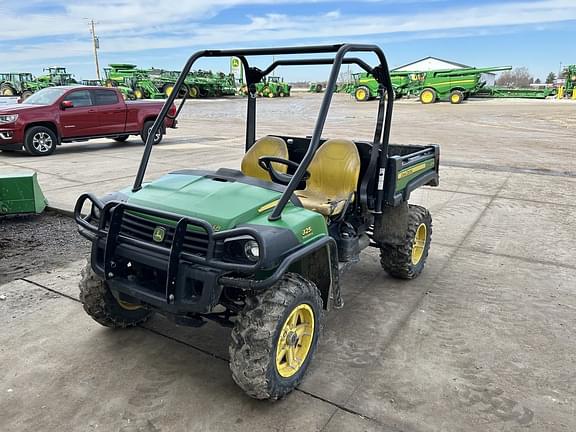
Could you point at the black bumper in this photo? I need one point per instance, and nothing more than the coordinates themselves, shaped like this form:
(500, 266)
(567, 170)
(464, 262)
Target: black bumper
(188, 278)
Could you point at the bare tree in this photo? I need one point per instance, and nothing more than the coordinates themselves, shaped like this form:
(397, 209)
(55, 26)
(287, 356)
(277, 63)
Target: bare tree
(519, 77)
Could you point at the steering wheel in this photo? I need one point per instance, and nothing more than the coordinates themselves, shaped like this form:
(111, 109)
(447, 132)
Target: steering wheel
(265, 163)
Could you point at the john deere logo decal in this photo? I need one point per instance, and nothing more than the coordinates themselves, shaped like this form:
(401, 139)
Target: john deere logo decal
(159, 234)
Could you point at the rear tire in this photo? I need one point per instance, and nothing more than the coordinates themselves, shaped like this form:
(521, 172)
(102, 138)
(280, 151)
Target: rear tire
(146, 129)
(7, 90)
(121, 138)
(267, 339)
(456, 97)
(103, 307)
(407, 260)
(139, 93)
(40, 141)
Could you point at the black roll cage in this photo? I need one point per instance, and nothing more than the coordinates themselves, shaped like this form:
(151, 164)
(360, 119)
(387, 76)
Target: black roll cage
(253, 75)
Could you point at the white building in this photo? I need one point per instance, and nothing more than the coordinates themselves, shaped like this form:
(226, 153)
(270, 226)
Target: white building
(434, 63)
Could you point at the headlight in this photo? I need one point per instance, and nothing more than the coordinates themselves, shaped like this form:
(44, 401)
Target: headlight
(252, 250)
(242, 249)
(8, 118)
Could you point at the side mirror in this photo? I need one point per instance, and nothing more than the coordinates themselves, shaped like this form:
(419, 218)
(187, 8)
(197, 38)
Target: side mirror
(19, 100)
(67, 104)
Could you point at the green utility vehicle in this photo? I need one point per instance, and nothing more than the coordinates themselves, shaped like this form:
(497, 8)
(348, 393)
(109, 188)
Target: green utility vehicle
(453, 85)
(17, 84)
(260, 249)
(366, 86)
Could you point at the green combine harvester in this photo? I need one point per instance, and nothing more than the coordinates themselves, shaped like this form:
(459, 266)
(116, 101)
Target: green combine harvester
(569, 87)
(20, 193)
(451, 85)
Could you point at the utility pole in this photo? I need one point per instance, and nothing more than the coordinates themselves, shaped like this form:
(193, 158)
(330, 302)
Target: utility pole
(96, 44)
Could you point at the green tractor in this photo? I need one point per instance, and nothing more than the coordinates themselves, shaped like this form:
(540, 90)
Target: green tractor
(18, 84)
(315, 87)
(56, 76)
(260, 249)
(274, 86)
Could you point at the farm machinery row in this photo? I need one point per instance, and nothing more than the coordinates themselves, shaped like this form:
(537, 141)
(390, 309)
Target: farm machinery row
(159, 83)
(24, 84)
(450, 85)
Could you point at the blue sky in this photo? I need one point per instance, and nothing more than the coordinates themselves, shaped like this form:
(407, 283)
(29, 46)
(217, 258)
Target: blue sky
(163, 33)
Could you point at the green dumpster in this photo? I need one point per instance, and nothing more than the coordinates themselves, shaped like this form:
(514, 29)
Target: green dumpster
(20, 193)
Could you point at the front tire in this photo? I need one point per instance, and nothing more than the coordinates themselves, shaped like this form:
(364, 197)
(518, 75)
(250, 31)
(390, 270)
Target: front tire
(362, 94)
(407, 260)
(146, 130)
(456, 97)
(40, 141)
(428, 96)
(275, 338)
(26, 94)
(103, 307)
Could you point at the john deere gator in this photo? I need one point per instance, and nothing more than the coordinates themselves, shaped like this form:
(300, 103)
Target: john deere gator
(261, 248)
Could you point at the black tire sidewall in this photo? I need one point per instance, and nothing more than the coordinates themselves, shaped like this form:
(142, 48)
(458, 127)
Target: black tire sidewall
(29, 136)
(144, 133)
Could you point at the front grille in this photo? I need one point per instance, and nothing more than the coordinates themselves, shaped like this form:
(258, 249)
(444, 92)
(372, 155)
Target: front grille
(195, 242)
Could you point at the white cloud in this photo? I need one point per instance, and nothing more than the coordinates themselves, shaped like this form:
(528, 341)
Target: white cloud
(139, 25)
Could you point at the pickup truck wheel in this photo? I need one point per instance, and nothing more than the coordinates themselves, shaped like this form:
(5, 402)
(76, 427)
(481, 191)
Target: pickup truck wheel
(407, 260)
(103, 307)
(40, 141)
(275, 337)
(121, 138)
(146, 130)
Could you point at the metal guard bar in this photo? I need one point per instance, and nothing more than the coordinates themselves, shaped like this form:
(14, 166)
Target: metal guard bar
(111, 214)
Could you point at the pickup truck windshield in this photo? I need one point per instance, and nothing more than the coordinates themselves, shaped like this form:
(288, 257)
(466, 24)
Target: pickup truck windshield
(46, 96)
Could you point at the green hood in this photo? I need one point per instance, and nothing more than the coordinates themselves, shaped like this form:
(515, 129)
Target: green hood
(224, 204)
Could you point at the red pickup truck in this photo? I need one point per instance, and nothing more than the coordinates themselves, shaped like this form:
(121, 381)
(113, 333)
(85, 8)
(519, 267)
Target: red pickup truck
(56, 115)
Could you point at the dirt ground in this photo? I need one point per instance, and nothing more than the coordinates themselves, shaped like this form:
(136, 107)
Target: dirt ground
(36, 243)
(482, 341)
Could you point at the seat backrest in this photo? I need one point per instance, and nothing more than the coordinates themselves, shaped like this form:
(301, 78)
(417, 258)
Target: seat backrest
(335, 169)
(265, 146)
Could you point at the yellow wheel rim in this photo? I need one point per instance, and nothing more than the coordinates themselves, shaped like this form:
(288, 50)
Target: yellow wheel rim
(193, 92)
(128, 306)
(7, 92)
(138, 94)
(169, 90)
(419, 244)
(455, 98)
(270, 95)
(295, 340)
(427, 96)
(360, 94)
